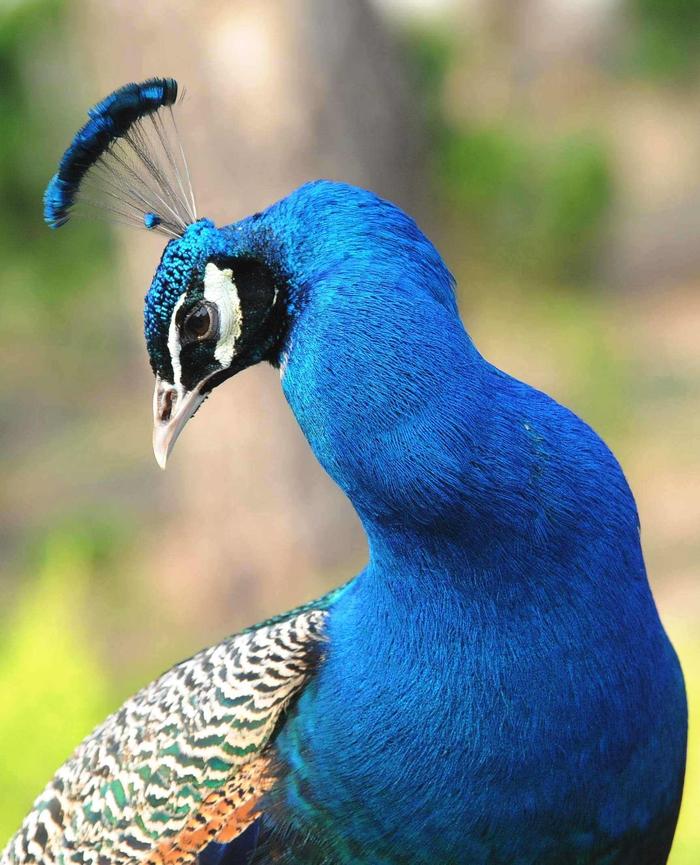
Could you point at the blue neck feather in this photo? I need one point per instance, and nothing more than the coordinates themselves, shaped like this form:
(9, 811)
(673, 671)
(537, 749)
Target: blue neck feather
(502, 608)
(425, 437)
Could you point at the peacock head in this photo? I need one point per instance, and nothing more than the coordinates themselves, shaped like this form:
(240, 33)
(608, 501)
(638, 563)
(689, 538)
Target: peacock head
(210, 311)
(209, 314)
(310, 283)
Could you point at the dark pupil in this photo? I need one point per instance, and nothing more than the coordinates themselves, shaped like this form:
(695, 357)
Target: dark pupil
(198, 322)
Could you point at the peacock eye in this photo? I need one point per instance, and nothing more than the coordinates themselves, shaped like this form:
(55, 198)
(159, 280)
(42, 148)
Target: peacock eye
(200, 323)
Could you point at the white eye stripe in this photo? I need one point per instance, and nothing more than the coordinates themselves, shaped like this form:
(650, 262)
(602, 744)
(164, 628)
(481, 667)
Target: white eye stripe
(174, 344)
(220, 289)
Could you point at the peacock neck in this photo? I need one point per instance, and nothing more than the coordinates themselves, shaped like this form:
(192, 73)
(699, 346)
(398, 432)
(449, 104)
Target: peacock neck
(409, 420)
(463, 477)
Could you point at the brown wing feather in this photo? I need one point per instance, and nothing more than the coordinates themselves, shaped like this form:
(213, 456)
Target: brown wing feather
(180, 763)
(223, 815)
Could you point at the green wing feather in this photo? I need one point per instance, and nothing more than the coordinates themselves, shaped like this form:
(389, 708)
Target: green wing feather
(138, 779)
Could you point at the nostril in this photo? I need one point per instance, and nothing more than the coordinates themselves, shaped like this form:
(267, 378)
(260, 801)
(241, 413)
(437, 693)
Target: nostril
(165, 408)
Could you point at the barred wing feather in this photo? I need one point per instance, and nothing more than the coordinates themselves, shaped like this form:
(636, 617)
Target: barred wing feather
(180, 764)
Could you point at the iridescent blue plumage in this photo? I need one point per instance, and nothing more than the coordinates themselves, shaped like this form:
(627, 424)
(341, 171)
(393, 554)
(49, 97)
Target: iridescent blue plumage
(179, 261)
(132, 101)
(498, 686)
(495, 687)
(136, 182)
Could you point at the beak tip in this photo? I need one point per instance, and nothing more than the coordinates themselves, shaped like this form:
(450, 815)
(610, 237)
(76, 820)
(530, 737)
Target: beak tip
(161, 451)
(171, 411)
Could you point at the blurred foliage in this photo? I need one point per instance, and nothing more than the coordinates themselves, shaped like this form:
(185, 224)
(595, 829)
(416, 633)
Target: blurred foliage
(527, 203)
(430, 51)
(33, 267)
(54, 689)
(533, 208)
(664, 37)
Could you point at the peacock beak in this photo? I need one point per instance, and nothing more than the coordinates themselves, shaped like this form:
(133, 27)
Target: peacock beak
(172, 408)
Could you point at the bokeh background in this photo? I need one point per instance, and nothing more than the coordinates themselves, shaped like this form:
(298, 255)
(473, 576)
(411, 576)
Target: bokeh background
(550, 147)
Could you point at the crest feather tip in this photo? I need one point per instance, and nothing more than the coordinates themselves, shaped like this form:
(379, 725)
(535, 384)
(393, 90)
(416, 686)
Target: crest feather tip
(127, 160)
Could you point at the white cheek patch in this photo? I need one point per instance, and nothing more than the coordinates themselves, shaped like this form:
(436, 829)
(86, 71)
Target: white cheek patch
(174, 345)
(220, 289)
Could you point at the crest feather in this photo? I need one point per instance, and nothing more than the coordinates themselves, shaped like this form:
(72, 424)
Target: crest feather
(127, 160)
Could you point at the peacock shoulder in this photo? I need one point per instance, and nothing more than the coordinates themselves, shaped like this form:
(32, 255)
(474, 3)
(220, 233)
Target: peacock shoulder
(183, 762)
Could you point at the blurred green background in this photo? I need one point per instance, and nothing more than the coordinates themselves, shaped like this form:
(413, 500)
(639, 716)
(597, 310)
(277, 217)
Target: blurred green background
(550, 147)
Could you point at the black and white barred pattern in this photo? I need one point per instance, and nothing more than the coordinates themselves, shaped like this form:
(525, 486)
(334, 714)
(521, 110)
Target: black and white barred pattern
(139, 776)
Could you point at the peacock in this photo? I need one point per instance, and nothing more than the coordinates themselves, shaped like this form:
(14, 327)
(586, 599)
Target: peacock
(494, 688)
